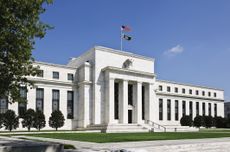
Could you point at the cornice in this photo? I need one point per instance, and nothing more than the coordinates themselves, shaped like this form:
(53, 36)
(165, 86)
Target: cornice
(55, 82)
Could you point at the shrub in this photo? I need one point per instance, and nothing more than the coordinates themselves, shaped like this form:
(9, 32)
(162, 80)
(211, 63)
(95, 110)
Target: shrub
(56, 120)
(39, 120)
(28, 119)
(186, 121)
(208, 121)
(198, 121)
(1, 119)
(10, 120)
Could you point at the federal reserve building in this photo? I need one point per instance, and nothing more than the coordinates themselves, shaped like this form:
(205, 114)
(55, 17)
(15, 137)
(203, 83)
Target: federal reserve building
(115, 91)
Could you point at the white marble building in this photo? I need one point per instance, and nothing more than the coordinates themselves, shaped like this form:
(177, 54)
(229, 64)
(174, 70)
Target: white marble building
(113, 91)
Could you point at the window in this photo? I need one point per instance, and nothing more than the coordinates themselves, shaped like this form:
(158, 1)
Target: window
(214, 94)
(22, 106)
(203, 93)
(168, 109)
(39, 99)
(215, 110)
(176, 90)
(190, 91)
(70, 77)
(3, 105)
(209, 94)
(130, 94)
(176, 110)
(203, 108)
(209, 109)
(197, 92)
(70, 99)
(160, 88)
(160, 109)
(55, 75)
(55, 100)
(183, 90)
(190, 109)
(40, 73)
(168, 89)
(116, 100)
(183, 108)
(197, 109)
(143, 102)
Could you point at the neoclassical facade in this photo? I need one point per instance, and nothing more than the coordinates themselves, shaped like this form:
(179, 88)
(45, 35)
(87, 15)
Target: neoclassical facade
(114, 91)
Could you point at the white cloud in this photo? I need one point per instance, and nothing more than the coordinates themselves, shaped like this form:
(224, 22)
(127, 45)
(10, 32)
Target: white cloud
(175, 50)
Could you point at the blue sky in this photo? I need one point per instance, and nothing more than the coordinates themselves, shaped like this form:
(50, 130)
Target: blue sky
(188, 39)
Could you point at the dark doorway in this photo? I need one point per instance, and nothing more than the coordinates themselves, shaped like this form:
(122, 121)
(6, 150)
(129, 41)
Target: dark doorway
(130, 116)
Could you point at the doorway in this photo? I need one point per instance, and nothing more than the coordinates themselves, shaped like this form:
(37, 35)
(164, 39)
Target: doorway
(130, 116)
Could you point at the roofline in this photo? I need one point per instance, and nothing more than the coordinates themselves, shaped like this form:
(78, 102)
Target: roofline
(187, 84)
(126, 53)
(54, 65)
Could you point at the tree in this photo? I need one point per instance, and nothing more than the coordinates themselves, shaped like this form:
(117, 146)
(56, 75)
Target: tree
(39, 120)
(19, 26)
(208, 121)
(186, 121)
(10, 120)
(1, 119)
(56, 120)
(198, 121)
(220, 122)
(28, 119)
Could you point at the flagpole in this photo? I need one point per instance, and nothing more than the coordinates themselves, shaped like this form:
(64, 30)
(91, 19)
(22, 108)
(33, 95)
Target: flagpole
(121, 40)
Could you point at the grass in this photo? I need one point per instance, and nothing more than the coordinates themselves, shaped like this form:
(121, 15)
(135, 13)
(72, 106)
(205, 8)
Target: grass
(125, 137)
(215, 130)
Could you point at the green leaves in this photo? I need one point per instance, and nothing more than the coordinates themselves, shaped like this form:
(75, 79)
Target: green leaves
(19, 26)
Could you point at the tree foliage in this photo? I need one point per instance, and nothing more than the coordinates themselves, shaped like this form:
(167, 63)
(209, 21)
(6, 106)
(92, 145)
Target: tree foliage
(186, 121)
(28, 119)
(208, 121)
(10, 120)
(1, 119)
(198, 121)
(39, 120)
(19, 26)
(56, 120)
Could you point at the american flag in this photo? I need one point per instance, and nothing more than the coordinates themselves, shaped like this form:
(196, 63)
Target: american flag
(125, 28)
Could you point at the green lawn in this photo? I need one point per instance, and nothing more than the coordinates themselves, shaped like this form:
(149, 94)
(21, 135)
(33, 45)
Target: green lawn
(122, 137)
(215, 130)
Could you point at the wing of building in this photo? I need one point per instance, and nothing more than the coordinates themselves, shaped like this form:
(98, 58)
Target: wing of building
(116, 91)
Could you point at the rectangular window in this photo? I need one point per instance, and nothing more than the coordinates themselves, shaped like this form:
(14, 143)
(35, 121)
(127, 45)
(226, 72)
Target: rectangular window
(70, 76)
(190, 91)
(197, 109)
(130, 94)
(116, 100)
(168, 109)
(197, 92)
(23, 105)
(209, 94)
(214, 94)
(209, 109)
(215, 110)
(190, 109)
(3, 105)
(55, 75)
(143, 102)
(55, 100)
(183, 90)
(203, 93)
(160, 88)
(168, 89)
(39, 99)
(40, 73)
(176, 110)
(176, 90)
(70, 101)
(203, 108)
(160, 109)
(183, 108)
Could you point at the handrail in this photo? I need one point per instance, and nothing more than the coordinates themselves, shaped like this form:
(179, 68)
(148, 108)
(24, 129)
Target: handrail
(158, 125)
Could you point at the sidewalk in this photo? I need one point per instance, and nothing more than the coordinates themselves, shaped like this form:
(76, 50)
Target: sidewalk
(188, 145)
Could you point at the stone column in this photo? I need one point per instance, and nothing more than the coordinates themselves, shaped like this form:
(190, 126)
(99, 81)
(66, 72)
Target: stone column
(200, 108)
(180, 109)
(123, 102)
(149, 104)
(109, 100)
(138, 103)
(193, 109)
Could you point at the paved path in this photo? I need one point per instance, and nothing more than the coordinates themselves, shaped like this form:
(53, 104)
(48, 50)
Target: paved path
(188, 145)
